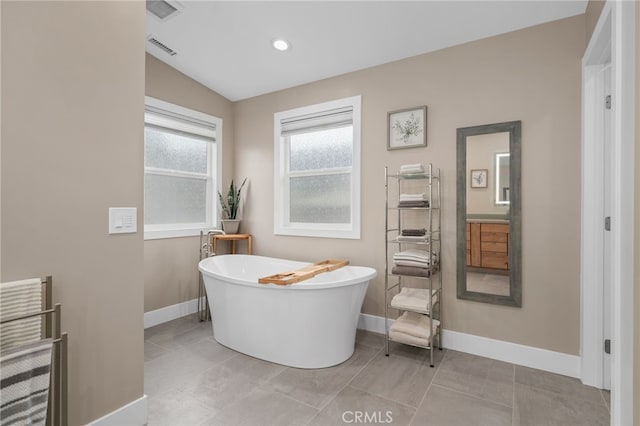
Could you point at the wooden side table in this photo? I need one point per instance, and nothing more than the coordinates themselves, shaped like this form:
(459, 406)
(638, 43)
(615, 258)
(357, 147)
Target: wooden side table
(232, 238)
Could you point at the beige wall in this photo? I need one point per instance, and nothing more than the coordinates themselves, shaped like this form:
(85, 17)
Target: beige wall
(531, 75)
(171, 265)
(72, 104)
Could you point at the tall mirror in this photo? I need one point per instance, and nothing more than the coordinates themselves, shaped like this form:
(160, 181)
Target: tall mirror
(488, 213)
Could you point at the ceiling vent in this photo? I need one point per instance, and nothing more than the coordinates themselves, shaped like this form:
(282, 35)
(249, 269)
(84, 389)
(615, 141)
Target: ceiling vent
(160, 45)
(162, 9)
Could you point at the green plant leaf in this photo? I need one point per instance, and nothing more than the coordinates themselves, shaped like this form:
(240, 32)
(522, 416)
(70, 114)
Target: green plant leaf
(232, 204)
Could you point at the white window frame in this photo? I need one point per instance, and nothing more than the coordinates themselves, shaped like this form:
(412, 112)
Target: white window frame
(282, 225)
(154, 232)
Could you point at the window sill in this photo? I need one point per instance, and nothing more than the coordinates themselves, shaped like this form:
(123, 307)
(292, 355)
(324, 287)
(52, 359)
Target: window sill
(160, 234)
(318, 233)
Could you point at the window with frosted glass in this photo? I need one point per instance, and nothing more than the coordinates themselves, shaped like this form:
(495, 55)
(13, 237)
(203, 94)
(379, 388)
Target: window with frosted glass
(317, 171)
(163, 150)
(321, 149)
(178, 171)
(174, 199)
(319, 176)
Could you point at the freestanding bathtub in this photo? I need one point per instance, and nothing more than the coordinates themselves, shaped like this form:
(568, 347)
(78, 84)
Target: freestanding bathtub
(310, 324)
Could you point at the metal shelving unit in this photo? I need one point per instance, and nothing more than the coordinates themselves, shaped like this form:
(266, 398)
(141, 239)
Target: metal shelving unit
(396, 219)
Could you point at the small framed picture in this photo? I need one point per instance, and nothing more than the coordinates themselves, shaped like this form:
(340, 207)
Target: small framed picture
(407, 128)
(479, 178)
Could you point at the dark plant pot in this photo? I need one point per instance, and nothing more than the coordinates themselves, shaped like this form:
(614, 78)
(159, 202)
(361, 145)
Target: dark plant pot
(230, 226)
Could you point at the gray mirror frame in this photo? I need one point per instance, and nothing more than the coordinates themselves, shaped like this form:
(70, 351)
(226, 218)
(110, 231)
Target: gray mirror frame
(514, 128)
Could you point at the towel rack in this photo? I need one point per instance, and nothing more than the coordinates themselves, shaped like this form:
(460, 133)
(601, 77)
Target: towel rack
(57, 411)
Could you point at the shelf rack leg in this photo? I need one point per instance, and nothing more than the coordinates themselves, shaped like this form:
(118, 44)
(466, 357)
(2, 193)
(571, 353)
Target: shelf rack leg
(386, 261)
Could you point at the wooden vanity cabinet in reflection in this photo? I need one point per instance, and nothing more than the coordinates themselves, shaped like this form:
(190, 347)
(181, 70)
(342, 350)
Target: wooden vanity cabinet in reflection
(488, 245)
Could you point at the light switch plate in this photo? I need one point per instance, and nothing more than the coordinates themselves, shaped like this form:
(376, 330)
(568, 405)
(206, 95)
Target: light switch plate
(123, 220)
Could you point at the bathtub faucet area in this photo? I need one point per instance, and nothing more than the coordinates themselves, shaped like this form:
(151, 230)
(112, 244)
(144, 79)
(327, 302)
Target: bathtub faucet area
(206, 250)
(206, 247)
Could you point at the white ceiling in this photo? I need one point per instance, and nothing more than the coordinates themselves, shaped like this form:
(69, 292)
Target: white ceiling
(226, 45)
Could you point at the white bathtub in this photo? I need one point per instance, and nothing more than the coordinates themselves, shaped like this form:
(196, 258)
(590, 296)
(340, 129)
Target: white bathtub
(311, 324)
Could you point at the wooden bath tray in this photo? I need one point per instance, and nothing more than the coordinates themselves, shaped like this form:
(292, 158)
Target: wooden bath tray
(297, 275)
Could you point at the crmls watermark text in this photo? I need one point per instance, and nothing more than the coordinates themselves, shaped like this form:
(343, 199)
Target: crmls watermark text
(367, 417)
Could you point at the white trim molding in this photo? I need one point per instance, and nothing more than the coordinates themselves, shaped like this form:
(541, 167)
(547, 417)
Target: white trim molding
(134, 413)
(282, 223)
(596, 59)
(624, 116)
(527, 356)
(612, 42)
(170, 313)
(213, 177)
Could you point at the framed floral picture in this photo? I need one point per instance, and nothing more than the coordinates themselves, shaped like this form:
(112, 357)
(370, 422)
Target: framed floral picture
(407, 128)
(479, 178)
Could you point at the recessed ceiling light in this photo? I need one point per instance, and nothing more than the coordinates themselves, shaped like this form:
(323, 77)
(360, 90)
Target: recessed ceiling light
(280, 44)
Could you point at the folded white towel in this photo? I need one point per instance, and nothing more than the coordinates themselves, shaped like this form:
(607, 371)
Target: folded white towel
(413, 197)
(413, 258)
(20, 298)
(413, 263)
(412, 168)
(415, 325)
(414, 299)
(409, 340)
(416, 255)
(411, 239)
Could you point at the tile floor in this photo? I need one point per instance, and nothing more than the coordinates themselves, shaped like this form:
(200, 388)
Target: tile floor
(190, 379)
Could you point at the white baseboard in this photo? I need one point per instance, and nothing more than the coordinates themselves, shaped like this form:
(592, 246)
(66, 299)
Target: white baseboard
(372, 323)
(169, 313)
(134, 413)
(528, 356)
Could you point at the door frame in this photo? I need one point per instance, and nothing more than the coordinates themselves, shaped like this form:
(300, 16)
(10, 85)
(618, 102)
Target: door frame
(613, 41)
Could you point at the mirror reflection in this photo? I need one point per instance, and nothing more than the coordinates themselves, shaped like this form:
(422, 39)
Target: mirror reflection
(485, 212)
(487, 220)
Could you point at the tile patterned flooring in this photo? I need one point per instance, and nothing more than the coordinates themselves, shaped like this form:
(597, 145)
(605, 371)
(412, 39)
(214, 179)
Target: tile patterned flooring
(191, 379)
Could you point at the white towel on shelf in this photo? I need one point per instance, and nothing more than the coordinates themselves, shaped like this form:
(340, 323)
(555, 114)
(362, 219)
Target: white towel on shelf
(412, 254)
(412, 263)
(20, 298)
(415, 255)
(414, 299)
(415, 325)
(411, 239)
(407, 339)
(24, 378)
(411, 168)
(413, 197)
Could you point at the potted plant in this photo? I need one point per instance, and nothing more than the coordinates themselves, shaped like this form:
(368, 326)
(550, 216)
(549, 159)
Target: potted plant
(230, 205)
